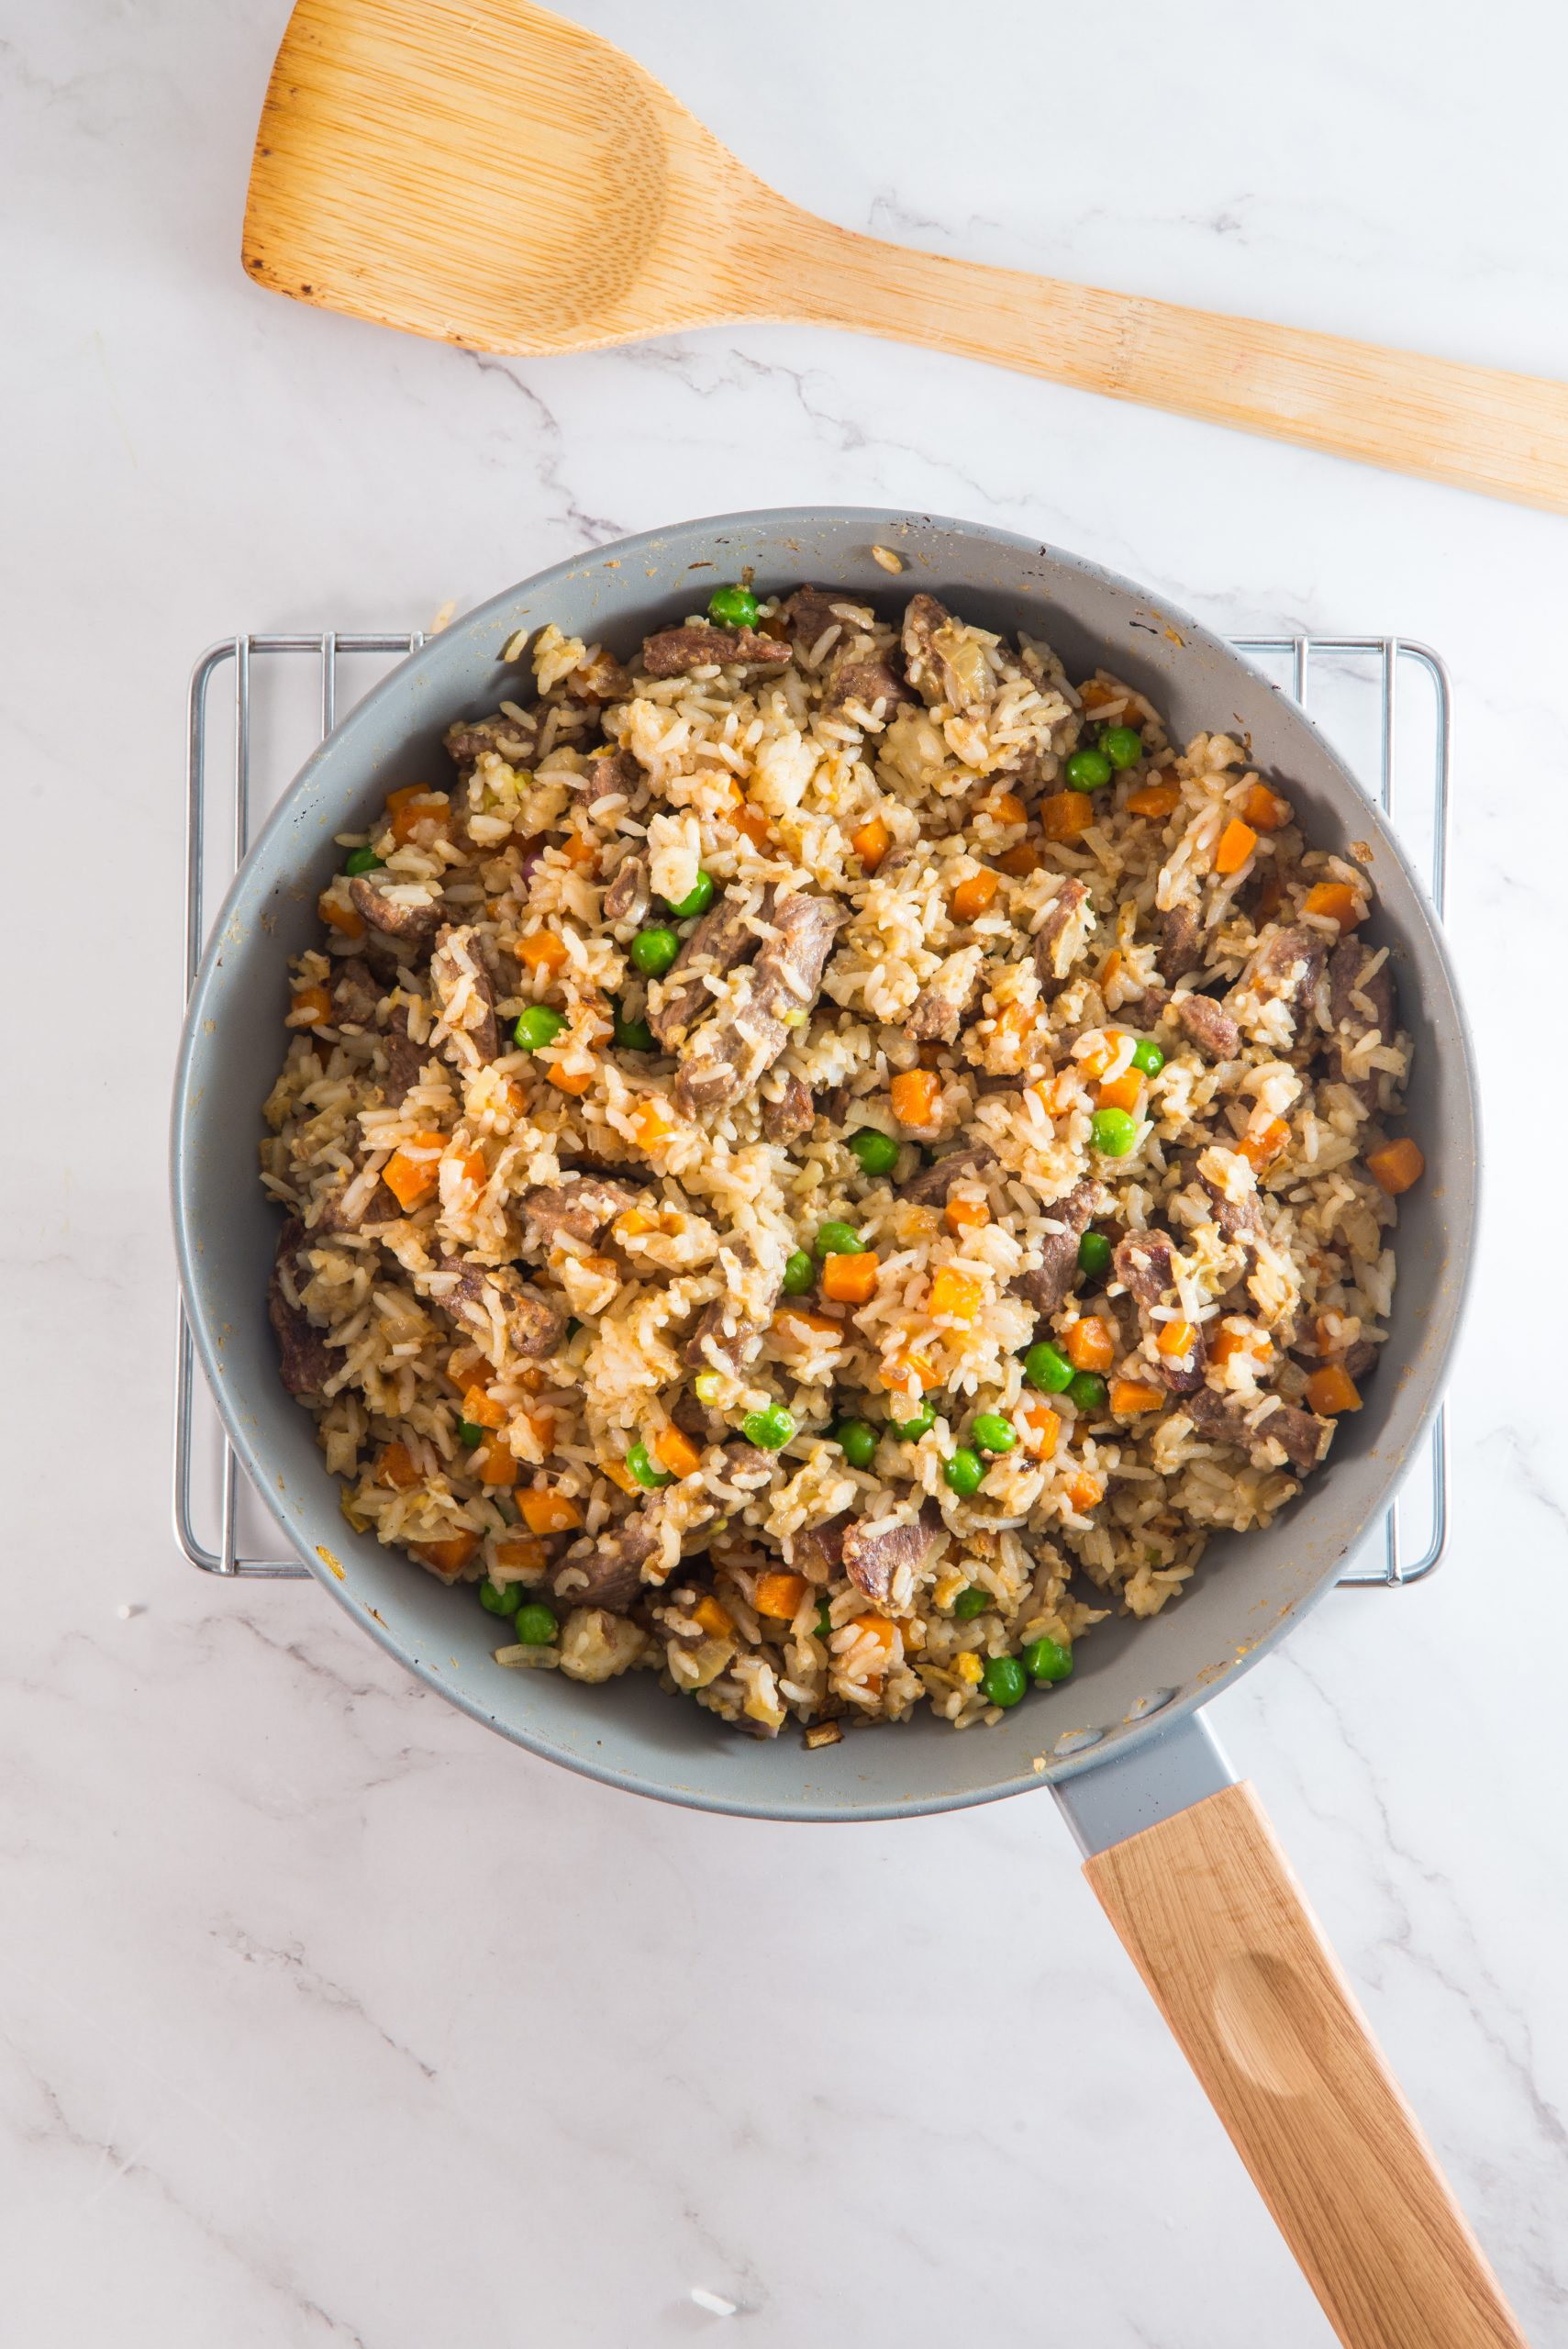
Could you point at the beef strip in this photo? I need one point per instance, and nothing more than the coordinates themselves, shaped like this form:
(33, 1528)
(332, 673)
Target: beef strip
(468, 1293)
(1301, 1435)
(1286, 967)
(726, 1058)
(458, 976)
(948, 998)
(306, 1360)
(943, 663)
(1349, 1022)
(355, 992)
(613, 775)
(869, 683)
(581, 1206)
(404, 1059)
(723, 939)
(872, 1560)
(1238, 1219)
(1181, 944)
(1047, 1284)
(791, 1115)
(379, 1207)
(821, 1545)
(415, 924)
(732, 1328)
(1050, 958)
(1145, 1263)
(931, 1186)
(629, 894)
(514, 740)
(675, 651)
(1205, 1024)
(612, 1561)
(809, 613)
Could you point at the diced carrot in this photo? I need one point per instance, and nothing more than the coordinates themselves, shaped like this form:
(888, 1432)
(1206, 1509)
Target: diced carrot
(1397, 1164)
(1020, 861)
(1016, 1020)
(956, 1293)
(755, 825)
(651, 1121)
(1122, 1092)
(420, 807)
(475, 1173)
(1099, 1056)
(395, 1467)
(1330, 1391)
(408, 793)
(1236, 843)
(872, 842)
(521, 1550)
(910, 1368)
(1260, 1145)
(580, 851)
(619, 1473)
(966, 1214)
(449, 1556)
(913, 1633)
(972, 895)
(915, 1095)
(1264, 810)
(779, 1596)
(496, 1463)
(1153, 799)
(468, 1367)
(1085, 1491)
(308, 1007)
(634, 1223)
(1226, 1345)
(338, 914)
(1337, 899)
(879, 1628)
(850, 1280)
(517, 1100)
(542, 1424)
(716, 1620)
(1066, 815)
(675, 1450)
(542, 951)
(1004, 808)
(1108, 968)
(1095, 692)
(1128, 1397)
(1091, 1344)
(795, 1323)
(1041, 1425)
(547, 1512)
(480, 1412)
(1057, 1094)
(570, 1080)
(411, 1181)
(1176, 1339)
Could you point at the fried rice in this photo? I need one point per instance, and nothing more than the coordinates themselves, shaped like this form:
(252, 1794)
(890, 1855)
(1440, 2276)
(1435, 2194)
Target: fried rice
(824, 1161)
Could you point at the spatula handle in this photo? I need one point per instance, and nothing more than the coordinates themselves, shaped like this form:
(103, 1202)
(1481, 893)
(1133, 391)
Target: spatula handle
(1208, 1908)
(1506, 435)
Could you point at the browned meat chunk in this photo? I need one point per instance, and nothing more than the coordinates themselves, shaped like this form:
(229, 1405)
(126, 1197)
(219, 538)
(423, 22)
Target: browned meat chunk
(791, 1115)
(947, 1000)
(731, 1329)
(599, 679)
(612, 1563)
(872, 684)
(1350, 1000)
(613, 774)
(819, 1549)
(945, 664)
(1205, 1024)
(675, 651)
(1301, 1435)
(724, 938)
(514, 740)
(1238, 1218)
(1054, 950)
(629, 894)
(356, 992)
(808, 615)
(581, 1206)
(872, 1560)
(1181, 944)
(1145, 1263)
(305, 1359)
(404, 1059)
(374, 1206)
(1048, 1283)
(416, 925)
(727, 1057)
(466, 994)
(1286, 967)
(931, 1186)
(482, 1298)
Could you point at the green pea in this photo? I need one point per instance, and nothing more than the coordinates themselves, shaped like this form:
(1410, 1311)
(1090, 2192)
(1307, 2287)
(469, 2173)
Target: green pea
(799, 1272)
(878, 1153)
(634, 1035)
(857, 1441)
(1088, 771)
(1047, 1368)
(1095, 1253)
(364, 860)
(1047, 1660)
(642, 1468)
(971, 1602)
(964, 1471)
(993, 1433)
(1004, 1680)
(771, 1430)
(1087, 1391)
(469, 1436)
(1123, 745)
(1115, 1131)
(824, 1624)
(535, 1026)
(839, 1240)
(654, 950)
(500, 1599)
(733, 608)
(697, 899)
(911, 1430)
(1147, 1056)
(536, 1625)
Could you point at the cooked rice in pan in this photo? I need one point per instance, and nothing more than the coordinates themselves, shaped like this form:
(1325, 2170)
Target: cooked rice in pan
(824, 1163)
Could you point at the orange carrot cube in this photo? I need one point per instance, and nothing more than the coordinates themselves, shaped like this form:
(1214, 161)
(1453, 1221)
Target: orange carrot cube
(1337, 899)
(915, 1094)
(970, 898)
(1236, 843)
(872, 842)
(674, 1450)
(956, 1293)
(1091, 1344)
(1330, 1391)
(545, 1510)
(1128, 1397)
(778, 1596)
(850, 1280)
(1396, 1166)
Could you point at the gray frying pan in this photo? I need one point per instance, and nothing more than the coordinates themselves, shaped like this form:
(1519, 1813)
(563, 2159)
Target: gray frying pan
(1181, 1858)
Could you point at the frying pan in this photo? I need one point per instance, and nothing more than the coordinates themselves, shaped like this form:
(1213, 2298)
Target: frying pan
(1181, 1858)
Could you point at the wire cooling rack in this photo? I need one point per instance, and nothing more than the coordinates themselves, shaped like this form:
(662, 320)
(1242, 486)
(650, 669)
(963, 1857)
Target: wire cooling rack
(1383, 701)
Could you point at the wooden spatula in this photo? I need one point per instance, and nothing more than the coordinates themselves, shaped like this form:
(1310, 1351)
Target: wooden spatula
(488, 173)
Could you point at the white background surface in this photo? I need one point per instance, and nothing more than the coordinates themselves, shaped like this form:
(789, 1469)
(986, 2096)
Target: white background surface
(325, 2019)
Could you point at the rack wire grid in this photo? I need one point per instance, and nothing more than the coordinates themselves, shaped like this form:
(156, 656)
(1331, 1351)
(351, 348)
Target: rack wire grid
(1383, 701)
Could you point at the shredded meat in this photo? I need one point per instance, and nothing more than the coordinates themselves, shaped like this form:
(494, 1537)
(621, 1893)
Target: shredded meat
(1055, 950)
(356, 992)
(820, 1547)
(514, 740)
(476, 1295)
(466, 994)
(305, 1359)
(404, 1059)
(791, 1115)
(581, 1206)
(726, 1058)
(1205, 1024)
(1181, 944)
(873, 684)
(725, 937)
(1347, 1016)
(1285, 968)
(947, 1000)
(931, 1186)
(613, 775)
(872, 1560)
(1145, 1263)
(732, 1328)
(414, 924)
(1048, 1285)
(629, 894)
(1301, 1435)
(945, 665)
(675, 651)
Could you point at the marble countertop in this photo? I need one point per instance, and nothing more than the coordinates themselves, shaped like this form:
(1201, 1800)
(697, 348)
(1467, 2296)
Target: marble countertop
(324, 2018)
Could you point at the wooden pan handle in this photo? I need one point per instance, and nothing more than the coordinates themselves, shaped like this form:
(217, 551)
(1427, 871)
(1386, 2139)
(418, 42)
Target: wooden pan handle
(1208, 1908)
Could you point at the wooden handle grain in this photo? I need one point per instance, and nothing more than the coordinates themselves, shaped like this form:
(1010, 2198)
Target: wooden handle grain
(1210, 1911)
(1478, 428)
